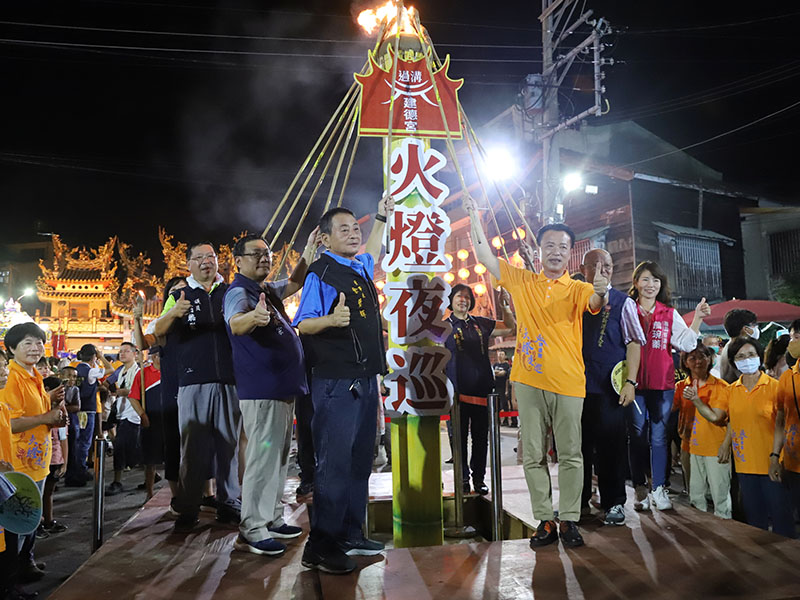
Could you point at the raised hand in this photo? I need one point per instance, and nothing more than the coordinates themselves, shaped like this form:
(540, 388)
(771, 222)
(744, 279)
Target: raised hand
(341, 314)
(600, 282)
(314, 239)
(469, 204)
(138, 307)
(54, 418)
(386, 205)
(182, 306)
(261, 314)
(703, 310)
(690, 391)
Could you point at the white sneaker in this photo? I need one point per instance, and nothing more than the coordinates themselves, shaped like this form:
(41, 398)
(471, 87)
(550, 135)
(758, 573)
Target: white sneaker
(380, 459)
(615, 515)
(642, 501)
(661, 498)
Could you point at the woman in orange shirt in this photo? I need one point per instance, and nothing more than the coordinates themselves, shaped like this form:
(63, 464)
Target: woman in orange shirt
(708, 399)
(31, 420)
(752, 407)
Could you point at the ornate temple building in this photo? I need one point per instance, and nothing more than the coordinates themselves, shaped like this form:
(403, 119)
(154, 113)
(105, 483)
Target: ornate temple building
(90, 293)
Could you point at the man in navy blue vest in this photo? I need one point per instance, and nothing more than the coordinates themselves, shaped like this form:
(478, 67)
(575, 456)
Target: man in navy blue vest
(339, 318)
(270, 374)
(609, 337)
(208, 408)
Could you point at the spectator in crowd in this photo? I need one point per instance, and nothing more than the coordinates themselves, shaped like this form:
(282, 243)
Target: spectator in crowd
(752, 410)
(43, 366)
(152, 416)
(784, 461)
(710, 466)
(89, 371)
(270, 374)
(737, 322)
(130, 418)
(31, 419)
(339, 317)
(58, 467)
(612, 336)
(649, 413)
(775, 356)
(548, 371)
(72, 403)
(208, 408)
(715, 343)
(471, 373)
(501, 370)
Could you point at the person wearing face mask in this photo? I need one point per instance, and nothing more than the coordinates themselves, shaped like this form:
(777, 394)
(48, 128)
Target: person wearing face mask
(784, 461)
(664, 329)
(752, 410)
(714, 343)
(737, 322)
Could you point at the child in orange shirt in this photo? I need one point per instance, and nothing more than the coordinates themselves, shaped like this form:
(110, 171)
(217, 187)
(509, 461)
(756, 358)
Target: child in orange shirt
(708, 398)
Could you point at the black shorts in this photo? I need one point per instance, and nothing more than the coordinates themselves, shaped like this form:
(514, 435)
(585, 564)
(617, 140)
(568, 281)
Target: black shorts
(127, 445)
(51, 477)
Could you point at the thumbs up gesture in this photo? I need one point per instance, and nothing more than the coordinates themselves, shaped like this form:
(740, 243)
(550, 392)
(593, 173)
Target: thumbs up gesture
(341, 313)
(261, 313)
(703, 310)
(600, 282)
(182, 305)
(690, 391)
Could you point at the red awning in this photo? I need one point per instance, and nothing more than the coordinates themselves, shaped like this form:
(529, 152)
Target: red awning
(766, 310)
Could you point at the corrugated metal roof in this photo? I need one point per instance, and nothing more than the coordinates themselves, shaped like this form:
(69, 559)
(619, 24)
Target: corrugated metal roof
(693, 232)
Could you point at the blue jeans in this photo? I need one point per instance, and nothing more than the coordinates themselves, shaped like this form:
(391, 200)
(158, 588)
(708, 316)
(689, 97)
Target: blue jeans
(83, 440)
(343, 428)
(655, 407)
(767, 501)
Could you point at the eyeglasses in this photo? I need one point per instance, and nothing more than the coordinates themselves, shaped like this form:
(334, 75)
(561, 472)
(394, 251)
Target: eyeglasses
(204, 258)
(745, 356)
(258, 256)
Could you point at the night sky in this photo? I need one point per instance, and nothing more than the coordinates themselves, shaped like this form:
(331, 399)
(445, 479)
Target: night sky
(109, 132)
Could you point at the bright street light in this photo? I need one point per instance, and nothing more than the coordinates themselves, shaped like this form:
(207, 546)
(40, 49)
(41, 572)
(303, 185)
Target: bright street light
(500, 163)
(571, 182)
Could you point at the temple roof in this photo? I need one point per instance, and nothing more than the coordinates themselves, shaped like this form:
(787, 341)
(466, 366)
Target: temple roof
(78, 274)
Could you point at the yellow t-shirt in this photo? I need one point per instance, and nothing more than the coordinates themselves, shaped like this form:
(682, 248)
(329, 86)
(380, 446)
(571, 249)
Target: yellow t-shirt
(549, 329)
(752, 421)
(706, 437)
(25, 396)
(786, 399)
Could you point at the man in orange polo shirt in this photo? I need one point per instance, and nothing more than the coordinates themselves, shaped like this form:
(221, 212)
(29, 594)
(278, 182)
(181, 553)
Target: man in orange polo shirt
(548, 373)
(31, 420)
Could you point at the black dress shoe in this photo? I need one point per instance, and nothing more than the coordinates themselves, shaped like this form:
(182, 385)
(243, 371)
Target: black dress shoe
(481, 488)
(466, 487)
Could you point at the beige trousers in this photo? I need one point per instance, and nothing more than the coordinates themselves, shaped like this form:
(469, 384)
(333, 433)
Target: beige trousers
(708, 475)
(539, 410)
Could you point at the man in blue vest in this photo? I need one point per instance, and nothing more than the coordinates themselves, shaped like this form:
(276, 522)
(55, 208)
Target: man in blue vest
(270, 374)
(609, 337)
(208, 408)
(339, 317)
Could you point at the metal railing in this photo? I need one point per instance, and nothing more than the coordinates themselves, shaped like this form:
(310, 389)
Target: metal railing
(98, 505)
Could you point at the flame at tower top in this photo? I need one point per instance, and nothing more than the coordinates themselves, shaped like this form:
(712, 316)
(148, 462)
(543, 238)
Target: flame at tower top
(371, 19)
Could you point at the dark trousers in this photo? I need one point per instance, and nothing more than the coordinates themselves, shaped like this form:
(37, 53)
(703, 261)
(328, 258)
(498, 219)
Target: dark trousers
(9, 564)
(343, 427)
(767, 501)
(604, 437)
(172, 439)
(475, 421)
(73, 472)
(84, 441)
(304, 412)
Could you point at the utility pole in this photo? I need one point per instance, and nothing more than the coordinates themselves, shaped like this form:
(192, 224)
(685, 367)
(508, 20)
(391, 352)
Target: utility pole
(557, 26)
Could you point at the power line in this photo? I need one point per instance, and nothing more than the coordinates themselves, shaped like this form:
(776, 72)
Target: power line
(716, 137)
(45, 44)
(715, 26)
(364, 42)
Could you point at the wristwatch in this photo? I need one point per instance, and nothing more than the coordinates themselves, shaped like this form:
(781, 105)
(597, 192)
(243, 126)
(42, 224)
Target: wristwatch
(632, 382)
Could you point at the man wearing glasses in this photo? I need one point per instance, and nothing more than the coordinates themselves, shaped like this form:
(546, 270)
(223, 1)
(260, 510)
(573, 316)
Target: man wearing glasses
(208, 407)
(270, 373)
